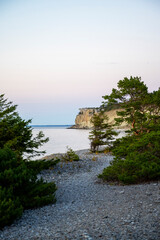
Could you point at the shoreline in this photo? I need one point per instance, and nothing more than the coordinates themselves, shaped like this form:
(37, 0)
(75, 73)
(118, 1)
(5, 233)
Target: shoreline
(54, 155)
(122, 128)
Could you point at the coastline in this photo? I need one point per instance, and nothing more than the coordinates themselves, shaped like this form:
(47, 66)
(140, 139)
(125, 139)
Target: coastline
(88, 208)
(121, 128)
(78, 127)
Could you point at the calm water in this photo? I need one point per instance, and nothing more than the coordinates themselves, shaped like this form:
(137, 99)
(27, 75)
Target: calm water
(60, 137)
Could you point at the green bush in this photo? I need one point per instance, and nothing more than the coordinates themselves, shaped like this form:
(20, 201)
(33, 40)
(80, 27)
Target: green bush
(41, 164)
(10, 207)
(70, 156)
(38, 195)
(137, 159)
(20, 188)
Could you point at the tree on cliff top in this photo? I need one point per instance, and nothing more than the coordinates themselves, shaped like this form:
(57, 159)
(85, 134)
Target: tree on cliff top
(16, 133)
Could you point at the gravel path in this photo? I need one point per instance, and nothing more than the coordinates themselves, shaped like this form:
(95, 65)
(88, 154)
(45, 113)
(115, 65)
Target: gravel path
(87, 208)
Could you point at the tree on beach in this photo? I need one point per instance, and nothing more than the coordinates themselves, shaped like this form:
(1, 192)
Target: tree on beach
(102, 133)
(137, 156)
(19, 186)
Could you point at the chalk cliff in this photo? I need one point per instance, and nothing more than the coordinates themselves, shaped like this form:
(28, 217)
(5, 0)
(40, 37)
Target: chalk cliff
(83, 119)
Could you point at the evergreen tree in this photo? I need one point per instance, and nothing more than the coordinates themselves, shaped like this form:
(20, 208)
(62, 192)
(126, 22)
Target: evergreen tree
(102, 133)
(140, 109)
(137, 156)
(19, 186)
(16, 133)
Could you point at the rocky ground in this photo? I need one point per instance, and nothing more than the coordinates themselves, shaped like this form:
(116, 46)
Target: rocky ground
(87, 208)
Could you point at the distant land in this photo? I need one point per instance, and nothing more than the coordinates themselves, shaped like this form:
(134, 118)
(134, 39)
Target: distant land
(51, 126)
(83, 118)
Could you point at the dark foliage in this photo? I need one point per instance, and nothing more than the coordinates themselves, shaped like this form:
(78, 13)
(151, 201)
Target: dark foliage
(137, 156)
(137, 159)
(16, 133)
(70, 156)
(20, 188)
(41, 164)
(110, 106)
(102, 133)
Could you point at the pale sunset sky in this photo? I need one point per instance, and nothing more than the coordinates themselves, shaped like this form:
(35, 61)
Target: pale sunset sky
(57, 56)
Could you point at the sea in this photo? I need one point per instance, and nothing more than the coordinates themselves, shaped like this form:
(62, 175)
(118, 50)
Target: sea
(61, 137)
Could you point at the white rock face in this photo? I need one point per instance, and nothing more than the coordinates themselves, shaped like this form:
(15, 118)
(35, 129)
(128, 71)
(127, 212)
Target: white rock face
(83, 119)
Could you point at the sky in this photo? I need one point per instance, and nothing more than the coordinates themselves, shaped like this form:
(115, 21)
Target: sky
(57, 56)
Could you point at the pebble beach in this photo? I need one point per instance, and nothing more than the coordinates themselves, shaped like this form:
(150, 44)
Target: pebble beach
(88, 208)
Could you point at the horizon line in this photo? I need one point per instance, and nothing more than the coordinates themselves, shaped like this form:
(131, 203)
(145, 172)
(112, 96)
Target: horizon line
(34, 125)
